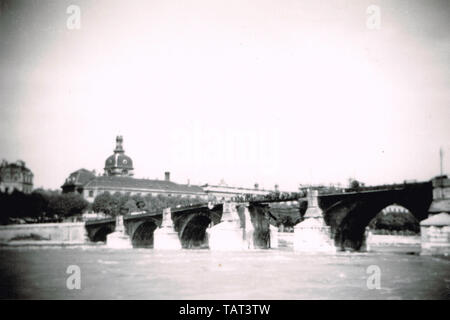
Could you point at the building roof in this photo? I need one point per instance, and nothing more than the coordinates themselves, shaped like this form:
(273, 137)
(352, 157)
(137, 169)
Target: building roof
(441, 219)
(79, 177)
(116, 182)
(19, 164)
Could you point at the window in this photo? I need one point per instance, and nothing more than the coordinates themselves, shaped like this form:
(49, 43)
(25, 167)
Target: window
(91, 193)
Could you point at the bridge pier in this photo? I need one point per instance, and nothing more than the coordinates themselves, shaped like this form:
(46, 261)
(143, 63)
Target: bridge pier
(435, 231)
(312, 234)
(365, 246)
(248, 230)
(228, 234)
(166, 237)
(118, 239)
(273, 237)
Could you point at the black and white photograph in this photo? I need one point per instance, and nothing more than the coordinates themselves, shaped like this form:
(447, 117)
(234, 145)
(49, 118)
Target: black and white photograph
(234, 151)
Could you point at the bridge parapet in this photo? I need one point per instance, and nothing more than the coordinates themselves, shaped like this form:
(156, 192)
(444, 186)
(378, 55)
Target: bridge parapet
(435, 231)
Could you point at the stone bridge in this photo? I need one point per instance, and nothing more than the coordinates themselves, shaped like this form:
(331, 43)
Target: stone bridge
(347, 214)
(191, 224)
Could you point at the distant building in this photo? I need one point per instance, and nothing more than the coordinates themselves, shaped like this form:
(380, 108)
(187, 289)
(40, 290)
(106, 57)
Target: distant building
(141, 187)
(118, 177)
(77, 180)
(394, 208)
(119, 164)
(15, 176)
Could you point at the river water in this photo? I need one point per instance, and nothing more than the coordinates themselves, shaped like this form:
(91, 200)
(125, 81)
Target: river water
(40, 273)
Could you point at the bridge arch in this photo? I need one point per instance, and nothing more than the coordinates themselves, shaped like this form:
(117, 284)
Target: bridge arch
(349, 218)
(142, 237)
(101, 233)
(395, 218)
(193, 231)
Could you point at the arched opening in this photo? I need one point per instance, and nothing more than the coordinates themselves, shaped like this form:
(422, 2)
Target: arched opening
(100, 235)
(395, 228)
(352, 231)
(395, 219)
(143, 236)
(194, 236)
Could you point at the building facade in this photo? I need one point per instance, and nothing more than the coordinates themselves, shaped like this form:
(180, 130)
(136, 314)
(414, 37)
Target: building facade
(118, 177)
(15, 176)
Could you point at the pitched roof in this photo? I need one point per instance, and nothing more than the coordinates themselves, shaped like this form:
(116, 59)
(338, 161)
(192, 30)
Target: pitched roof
(79, 177)
(133, 183)
(6, 166)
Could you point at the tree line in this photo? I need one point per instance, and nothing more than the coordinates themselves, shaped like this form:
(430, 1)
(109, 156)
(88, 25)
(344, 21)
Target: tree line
(53, 206)
(40, 206)
(120, 204)
(395, 221)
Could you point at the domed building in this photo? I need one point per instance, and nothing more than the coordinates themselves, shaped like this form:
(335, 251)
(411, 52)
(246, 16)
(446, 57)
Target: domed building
(118, 177)
(119, 164)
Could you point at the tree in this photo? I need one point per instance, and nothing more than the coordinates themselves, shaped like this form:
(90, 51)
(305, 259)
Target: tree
(38, 204)
(67, 204)
(102, 203)
(75, 203)
(159, 202)
(121, 204)
(395, 221)
(140, 202)
(130, 206)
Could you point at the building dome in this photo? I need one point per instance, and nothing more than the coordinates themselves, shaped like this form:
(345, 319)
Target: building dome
(119, 164)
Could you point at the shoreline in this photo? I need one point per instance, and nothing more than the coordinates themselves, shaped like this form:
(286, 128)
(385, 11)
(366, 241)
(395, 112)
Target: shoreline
(44, 243)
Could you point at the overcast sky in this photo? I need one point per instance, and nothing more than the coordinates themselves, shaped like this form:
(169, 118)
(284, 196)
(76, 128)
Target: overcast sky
(284, 92)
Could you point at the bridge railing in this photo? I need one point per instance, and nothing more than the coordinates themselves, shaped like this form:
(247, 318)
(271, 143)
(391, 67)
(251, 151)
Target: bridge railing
(271, 197)
(386, 187)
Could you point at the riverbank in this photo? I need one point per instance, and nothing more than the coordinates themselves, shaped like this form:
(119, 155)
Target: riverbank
(374, 241)
(44, 234)
(43, 243)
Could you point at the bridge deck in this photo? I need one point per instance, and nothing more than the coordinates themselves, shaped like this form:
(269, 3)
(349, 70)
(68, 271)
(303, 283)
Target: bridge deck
(202, 206)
